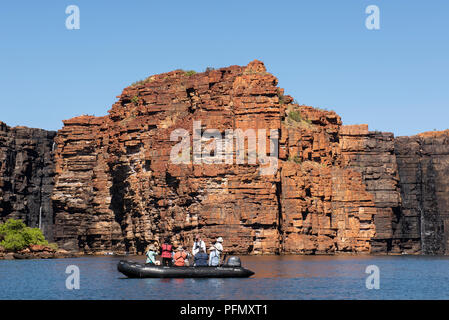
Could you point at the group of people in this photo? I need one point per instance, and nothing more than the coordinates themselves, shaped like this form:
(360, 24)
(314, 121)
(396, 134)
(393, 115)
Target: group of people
(180, 257)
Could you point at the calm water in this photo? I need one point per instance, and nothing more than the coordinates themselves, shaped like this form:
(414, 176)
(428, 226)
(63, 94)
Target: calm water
(291, 277)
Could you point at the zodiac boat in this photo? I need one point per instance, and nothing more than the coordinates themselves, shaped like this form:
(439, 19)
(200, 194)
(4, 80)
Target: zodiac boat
(232, 269)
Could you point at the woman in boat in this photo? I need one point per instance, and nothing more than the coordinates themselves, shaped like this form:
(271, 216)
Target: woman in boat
(201, 258)
(214, 257)
(151, 254)
(180, 257)
(166, 254)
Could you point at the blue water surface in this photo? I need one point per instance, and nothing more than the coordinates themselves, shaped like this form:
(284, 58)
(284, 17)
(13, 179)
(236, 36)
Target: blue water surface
(277, 277)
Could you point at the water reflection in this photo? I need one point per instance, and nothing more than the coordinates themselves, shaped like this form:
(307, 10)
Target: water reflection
(277, 277)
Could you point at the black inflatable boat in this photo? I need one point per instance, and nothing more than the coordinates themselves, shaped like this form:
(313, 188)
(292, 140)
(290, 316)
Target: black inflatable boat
(141, 270)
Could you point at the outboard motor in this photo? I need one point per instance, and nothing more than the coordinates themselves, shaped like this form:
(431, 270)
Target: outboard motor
(234, 261)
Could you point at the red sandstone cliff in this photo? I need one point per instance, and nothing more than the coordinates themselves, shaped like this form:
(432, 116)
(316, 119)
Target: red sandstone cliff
(116, 188)
(337, 188)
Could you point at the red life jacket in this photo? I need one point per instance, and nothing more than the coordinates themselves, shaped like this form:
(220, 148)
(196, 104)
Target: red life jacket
(166, 250)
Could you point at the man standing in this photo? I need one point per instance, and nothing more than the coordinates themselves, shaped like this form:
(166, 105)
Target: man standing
(214, 257)
(219, 245)
(197, 245)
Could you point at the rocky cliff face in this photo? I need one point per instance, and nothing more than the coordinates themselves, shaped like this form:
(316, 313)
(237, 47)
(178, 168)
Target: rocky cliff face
(325, 207)
(407, 177)
(26, 176)
(373, 154)
(117, 188)
(423, 162)
(122, 181)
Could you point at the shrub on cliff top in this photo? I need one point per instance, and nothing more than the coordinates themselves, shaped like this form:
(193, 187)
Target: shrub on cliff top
(295, 115)
(190, 73)
(281, 97)
(15, 235)
(142, 82)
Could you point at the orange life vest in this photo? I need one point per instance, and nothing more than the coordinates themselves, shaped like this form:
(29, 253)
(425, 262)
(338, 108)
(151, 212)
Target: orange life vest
(179, 257)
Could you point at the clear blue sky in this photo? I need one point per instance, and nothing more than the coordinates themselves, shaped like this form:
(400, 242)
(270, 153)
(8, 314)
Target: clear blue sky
(395, 79)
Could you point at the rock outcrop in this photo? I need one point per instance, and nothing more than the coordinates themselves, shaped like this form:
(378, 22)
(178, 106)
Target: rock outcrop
(373, 155)
(164, 163)
(36, 252)
(27, 176)
(325, 207)
(423, 162)
(407, 176)
(118, 189)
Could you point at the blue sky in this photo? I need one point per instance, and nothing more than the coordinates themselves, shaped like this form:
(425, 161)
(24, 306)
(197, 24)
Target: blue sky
(395, 79)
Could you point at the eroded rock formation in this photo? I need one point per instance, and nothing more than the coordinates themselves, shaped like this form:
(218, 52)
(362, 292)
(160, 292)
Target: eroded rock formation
(117, 187)
(27, 176)
(423, 169)
(373, 155)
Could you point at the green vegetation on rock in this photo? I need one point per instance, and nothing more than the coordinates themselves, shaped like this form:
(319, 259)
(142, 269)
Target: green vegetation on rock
(295, 119)
(190, 73)
(295, 115)
(15, 235)
(281, 98)
(142, 82)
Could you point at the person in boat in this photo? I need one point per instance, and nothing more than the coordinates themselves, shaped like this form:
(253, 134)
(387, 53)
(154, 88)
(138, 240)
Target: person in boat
(187, 260)
(151, 254)
(219, 246)
(214, 257)
(197, 245)
(201, 258)
(167, 253)
(180, 257)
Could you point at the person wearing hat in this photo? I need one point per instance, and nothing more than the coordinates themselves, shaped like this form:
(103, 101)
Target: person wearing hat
(180, 257)
(197, 245)
(151, 254)
(218, 245)
(214, 257)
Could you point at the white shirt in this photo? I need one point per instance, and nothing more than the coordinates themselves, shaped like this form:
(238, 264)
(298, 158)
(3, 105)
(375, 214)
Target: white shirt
(219, 247)
(197, 245)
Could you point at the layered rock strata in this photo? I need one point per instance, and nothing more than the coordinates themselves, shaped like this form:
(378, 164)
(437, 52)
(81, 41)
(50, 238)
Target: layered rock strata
(27, 176)
(423, 162)
(119, 182)
(373, 154)
(325, 207)
(117, 188)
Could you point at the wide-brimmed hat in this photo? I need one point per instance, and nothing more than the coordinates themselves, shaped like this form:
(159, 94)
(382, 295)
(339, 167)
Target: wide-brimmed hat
(212, 248)
(151, 247)
(219, 239)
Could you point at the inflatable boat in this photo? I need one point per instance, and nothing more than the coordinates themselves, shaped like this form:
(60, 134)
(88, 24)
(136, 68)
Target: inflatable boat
(232, 269)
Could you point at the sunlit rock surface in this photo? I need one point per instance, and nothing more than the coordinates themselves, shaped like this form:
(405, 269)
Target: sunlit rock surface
(108, 183)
